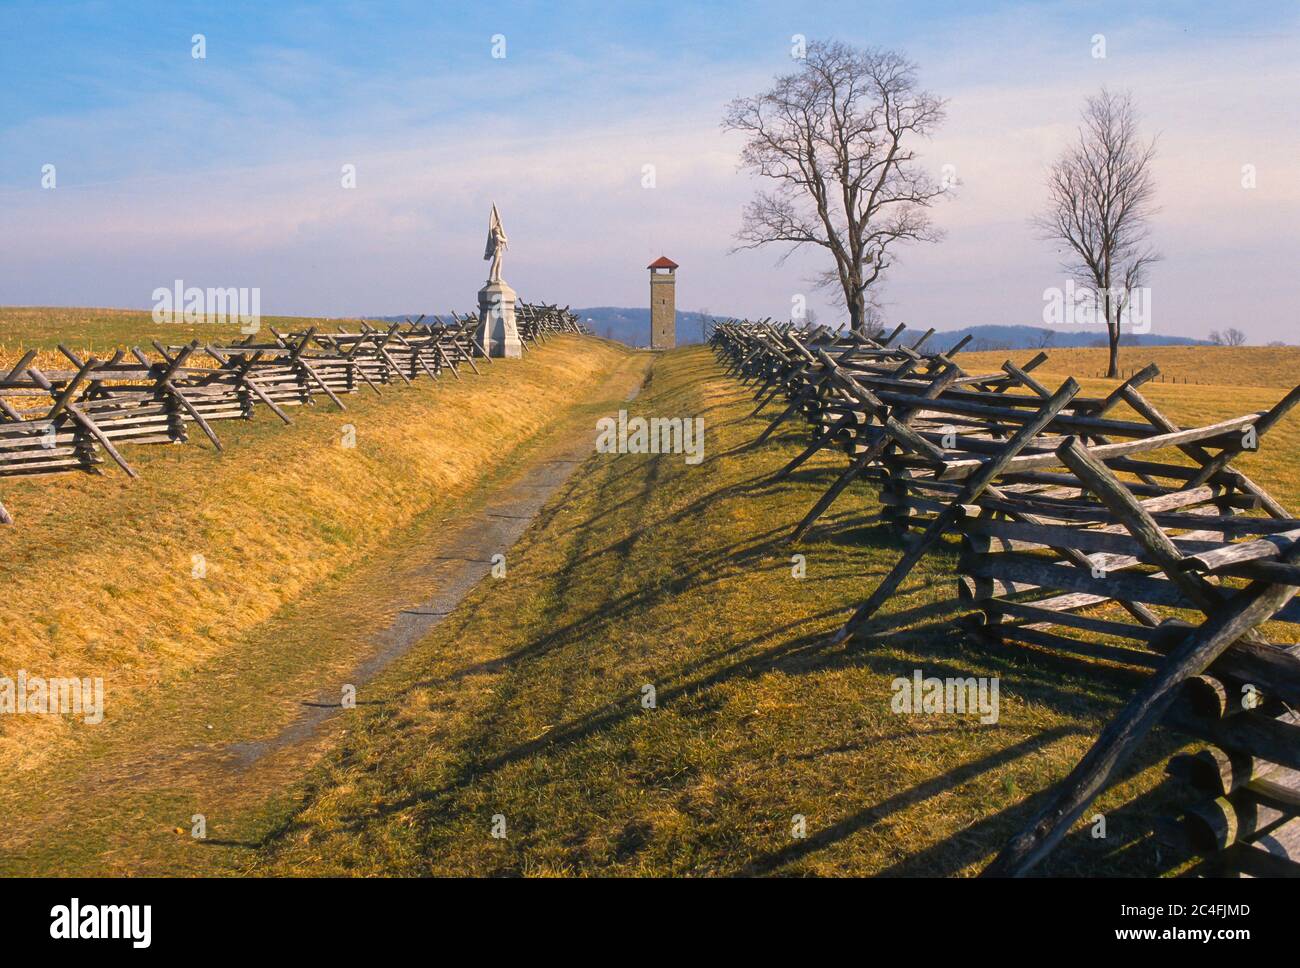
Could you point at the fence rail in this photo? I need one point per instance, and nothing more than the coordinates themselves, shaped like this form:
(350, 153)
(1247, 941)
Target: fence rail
(54, 421)
(1061, 508)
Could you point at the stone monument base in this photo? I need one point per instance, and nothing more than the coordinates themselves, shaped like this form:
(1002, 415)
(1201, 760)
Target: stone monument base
(497, 332)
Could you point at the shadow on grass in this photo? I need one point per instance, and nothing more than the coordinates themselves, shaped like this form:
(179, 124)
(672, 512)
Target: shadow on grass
(1127, 848)
(902, 800)
(638, 500)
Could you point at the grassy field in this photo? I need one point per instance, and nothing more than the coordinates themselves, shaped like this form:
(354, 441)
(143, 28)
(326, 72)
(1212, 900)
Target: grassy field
(104, 330)
(99, 332)
(1227, 366)
(526, 712)
(653, 573)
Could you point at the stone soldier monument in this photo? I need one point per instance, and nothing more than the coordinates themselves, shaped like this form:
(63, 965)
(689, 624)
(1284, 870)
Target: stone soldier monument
(663, 303)
(497, 332)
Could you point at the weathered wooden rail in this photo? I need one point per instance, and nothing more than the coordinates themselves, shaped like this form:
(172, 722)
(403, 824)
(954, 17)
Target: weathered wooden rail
(1081, 532)
(72, 419)
(537, 321)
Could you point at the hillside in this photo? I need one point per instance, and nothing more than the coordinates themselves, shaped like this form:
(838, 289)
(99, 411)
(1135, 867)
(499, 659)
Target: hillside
(632, 325)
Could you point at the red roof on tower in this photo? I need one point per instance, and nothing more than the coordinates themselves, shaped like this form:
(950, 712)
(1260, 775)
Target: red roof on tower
(663, 262)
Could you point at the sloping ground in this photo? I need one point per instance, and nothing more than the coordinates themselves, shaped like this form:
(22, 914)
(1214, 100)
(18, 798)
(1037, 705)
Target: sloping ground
(99, 575)
(525, 714)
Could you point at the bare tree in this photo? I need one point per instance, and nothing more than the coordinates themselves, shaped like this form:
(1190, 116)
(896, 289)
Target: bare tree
(836, 136)
(706, 323)
(1229, 337)
(1100, 195)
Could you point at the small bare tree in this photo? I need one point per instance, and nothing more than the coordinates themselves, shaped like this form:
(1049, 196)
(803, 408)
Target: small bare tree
(1229, 337)
(706, 324)
(1100, 194)
(837, 136)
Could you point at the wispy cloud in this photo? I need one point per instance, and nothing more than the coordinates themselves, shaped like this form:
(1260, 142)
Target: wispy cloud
(228, 171)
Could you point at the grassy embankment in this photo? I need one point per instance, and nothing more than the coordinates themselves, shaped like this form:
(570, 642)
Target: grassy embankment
(98, 572)
(651, 572)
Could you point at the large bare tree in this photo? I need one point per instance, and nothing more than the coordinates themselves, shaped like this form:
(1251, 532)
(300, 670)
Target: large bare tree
(837, 136)
(1100, 194)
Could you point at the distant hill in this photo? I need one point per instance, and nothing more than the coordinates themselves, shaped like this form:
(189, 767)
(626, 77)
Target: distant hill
(1035, 337)
(632, 326)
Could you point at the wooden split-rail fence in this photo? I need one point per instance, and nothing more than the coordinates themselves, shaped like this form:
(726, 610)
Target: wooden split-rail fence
(73, 419)
(537, 321)
(1082, 531)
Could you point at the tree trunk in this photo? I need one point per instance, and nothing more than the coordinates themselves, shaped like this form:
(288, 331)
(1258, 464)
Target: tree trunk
(1112, 331)
(857, 304)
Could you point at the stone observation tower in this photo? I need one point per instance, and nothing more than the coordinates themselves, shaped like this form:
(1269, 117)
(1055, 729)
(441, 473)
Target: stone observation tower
(663, 303)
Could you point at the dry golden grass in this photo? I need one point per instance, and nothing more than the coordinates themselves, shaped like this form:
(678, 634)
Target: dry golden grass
(97, 571)
(228, 736)
(101, 331)
(1227, 366)
(1223, 382)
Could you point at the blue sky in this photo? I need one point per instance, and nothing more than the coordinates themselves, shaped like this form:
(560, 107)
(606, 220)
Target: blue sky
(226, 171)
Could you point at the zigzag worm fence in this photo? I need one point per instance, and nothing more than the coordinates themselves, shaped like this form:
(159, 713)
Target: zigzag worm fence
(73, 419)
(1082, 533)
